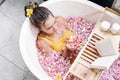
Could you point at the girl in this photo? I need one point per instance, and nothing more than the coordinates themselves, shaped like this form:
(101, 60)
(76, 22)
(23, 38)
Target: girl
(53, 31)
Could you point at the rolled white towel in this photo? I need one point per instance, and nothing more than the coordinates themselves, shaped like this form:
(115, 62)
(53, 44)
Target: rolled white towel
(105, 25)
(115, 28)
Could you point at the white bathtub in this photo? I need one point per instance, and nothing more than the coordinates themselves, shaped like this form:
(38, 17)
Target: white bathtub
(82, 8)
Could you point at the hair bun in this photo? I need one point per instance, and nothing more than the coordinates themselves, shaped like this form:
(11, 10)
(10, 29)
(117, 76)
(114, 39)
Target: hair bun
(30, 5)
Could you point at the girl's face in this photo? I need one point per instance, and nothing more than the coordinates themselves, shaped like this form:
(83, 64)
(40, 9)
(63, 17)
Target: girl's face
(48, 26)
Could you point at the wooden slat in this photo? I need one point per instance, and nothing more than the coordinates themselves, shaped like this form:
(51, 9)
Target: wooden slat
(97, 36)
(90, 49)
(92, 46)
(89, 52)
(90, 57)
(94, 39)
(87, 59)
(91, 42)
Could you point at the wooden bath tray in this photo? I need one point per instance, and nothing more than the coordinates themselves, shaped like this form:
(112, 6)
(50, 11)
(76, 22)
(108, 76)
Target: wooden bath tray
(81, 67)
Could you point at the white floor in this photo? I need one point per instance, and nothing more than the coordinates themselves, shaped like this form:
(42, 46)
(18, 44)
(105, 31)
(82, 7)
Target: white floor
(12, 66)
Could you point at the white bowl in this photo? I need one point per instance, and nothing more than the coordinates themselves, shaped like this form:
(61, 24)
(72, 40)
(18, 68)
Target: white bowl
(81, 8)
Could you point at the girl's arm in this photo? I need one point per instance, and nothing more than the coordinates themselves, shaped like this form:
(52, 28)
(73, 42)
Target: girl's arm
(44, 46)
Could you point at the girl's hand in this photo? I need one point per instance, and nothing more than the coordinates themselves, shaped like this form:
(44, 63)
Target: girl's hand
(73, 42)
(71, 47)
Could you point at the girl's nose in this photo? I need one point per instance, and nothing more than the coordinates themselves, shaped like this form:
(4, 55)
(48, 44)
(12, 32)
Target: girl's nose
(55, 26)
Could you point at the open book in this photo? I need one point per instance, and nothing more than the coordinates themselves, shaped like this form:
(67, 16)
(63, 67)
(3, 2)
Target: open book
(108, 46)
(104, 62)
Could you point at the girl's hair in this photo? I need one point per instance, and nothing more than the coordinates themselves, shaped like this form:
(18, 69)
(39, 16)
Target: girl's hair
(39, 14)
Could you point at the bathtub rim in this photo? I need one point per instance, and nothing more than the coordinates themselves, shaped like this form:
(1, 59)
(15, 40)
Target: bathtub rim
(86, 2)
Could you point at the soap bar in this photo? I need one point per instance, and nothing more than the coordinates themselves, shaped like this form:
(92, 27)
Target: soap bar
(108, 46)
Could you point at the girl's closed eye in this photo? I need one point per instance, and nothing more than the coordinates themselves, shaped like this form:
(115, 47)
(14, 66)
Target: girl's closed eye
(50, 27)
